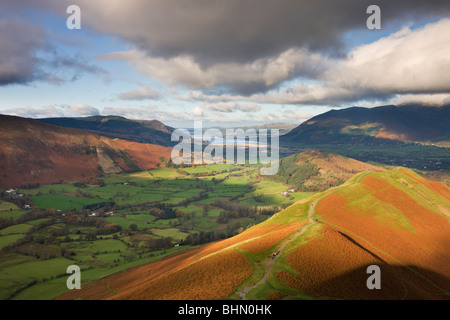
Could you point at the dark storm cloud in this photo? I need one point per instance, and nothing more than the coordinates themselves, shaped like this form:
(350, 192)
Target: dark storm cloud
(242, 46)
(241, 31)
(27, 55)
(237, 46)
(19, 42)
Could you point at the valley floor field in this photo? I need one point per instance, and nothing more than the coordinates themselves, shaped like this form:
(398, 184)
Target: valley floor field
(120, 221)
(225, 232)
(317, 248)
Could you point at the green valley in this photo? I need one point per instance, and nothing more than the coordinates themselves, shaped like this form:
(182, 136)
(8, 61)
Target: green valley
(118, 221)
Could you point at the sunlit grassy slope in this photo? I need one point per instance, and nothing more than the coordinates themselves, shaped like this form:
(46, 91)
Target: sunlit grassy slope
(395, 219)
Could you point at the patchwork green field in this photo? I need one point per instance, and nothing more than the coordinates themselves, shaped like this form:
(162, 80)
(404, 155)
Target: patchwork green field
(124, 220)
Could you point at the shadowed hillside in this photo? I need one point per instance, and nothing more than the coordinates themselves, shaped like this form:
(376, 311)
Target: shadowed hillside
(408, 123)
(412, 136)
(143, 131)
(35, 152)
(318, 248)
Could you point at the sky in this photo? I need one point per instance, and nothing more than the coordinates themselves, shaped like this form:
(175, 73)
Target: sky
(228, 63)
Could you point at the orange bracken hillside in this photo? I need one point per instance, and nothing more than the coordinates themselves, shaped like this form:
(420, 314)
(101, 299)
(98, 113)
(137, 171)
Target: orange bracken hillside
(211, 271)
(32, 151)
(393, 219)
(214, 277)
(327, 264)
(394, 225)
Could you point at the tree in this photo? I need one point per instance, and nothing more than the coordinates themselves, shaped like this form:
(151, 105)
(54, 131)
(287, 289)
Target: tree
(91, 235)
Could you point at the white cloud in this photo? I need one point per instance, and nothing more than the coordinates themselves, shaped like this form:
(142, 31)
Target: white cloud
(409, 61)
(31, 112)
(54, 111)
(430, 99)
(82, 110)
(412, 65)
(232, 107)
(147, 113)
(198, 112)
(245, 78)
(412, 62)
(144, 93)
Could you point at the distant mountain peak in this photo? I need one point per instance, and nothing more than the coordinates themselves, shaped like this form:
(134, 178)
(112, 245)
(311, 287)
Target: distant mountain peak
(406, 123)
(143, 131)
(33, 151)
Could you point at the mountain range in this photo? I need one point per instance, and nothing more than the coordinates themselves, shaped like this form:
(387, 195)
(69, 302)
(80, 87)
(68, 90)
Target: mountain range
(413, 136)
(32, 151)
(43, 150)
(318, 248)
(405, 123)
(142, 131)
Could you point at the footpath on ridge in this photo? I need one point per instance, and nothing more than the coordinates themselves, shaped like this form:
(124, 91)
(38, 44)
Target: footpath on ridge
(269, 262)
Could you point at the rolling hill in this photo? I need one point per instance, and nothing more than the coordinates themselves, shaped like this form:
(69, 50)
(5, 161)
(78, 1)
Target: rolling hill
(412, 136)
(318, 248)
(317, 171)
(406, 123)
(143, 131)
(35, 152)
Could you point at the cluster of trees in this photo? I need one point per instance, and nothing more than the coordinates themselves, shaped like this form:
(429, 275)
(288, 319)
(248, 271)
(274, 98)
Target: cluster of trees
(92, 181)
(153, 244)
(102, 227)
(80, 184)
(27, 216)
(107, 205)
(294, 173)
(234, 210)
(202, 195)
(39, 251)
(40, 245)
(165, 213)
(30, 185)
(217, 181)
(204, 237)
(167, 163)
